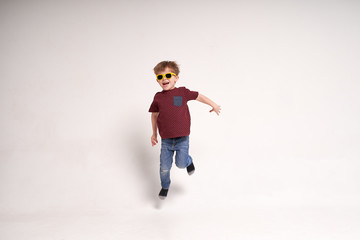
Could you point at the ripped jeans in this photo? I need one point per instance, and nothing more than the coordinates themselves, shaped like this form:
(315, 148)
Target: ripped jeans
(180, 145)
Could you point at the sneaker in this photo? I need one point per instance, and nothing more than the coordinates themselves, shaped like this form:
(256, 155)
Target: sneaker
(163, 193)
(190, 169)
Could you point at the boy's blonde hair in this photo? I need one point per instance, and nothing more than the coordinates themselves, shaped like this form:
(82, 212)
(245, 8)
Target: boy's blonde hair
(167, 64)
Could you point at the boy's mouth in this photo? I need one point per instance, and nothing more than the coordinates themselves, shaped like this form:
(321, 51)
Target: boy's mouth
(165, 83)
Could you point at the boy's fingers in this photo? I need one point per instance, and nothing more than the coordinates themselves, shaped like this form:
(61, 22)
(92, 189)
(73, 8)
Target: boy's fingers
(154, 141)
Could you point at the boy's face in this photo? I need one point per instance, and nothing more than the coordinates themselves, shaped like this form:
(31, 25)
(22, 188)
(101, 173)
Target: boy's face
(168, 84)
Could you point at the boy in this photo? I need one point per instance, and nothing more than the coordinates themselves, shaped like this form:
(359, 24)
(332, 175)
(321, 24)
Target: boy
(170, 114)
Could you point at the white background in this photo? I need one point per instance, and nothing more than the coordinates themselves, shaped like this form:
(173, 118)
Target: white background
(76, 83)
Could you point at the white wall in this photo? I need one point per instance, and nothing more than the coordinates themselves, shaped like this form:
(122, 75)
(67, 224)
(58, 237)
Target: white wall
(76, 84)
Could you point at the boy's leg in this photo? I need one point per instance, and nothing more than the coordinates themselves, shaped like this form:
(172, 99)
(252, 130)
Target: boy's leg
(166, 160)
(182, 157)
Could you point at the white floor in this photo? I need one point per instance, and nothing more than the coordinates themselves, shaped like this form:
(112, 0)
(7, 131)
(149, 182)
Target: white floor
(179, 218)
(243, 205)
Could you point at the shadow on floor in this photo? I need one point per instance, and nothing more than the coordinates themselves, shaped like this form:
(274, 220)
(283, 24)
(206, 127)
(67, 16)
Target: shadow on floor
(145, 164)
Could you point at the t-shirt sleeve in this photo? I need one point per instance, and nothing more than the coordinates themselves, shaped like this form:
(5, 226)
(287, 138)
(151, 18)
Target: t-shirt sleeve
(191, 95)
(154, 106)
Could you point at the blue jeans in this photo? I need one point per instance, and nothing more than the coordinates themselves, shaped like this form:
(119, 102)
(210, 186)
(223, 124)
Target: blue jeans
(182, 157)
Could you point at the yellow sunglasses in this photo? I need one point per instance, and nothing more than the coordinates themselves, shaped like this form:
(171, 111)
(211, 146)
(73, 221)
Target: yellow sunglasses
(160, 77)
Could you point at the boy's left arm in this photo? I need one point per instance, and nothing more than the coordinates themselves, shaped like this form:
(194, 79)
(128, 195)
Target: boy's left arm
(216, 108)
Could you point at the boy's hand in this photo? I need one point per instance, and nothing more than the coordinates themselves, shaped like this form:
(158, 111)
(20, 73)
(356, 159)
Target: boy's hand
(216, 109)
(154, 140)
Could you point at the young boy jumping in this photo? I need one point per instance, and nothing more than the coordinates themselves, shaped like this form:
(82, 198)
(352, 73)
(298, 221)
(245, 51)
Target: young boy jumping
(170, 114)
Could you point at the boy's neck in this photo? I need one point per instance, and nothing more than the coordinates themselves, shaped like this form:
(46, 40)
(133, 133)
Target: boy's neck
(169, 89)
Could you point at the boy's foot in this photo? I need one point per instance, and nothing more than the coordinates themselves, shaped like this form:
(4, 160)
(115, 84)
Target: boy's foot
(190, 169)
(163, 193)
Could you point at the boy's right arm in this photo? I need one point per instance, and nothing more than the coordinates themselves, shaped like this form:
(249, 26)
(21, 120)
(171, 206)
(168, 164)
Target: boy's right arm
(154, 117)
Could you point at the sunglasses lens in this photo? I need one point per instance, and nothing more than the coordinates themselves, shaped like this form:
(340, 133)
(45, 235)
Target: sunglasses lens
(159, 77)
(168, 75)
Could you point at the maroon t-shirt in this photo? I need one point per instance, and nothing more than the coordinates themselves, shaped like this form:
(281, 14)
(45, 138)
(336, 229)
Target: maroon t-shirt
(174, 116)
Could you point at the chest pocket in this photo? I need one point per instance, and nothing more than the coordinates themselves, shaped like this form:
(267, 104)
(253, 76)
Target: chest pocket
(178, 101)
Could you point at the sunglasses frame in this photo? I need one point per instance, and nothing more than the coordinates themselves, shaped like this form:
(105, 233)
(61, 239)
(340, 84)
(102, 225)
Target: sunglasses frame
(163, 76)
